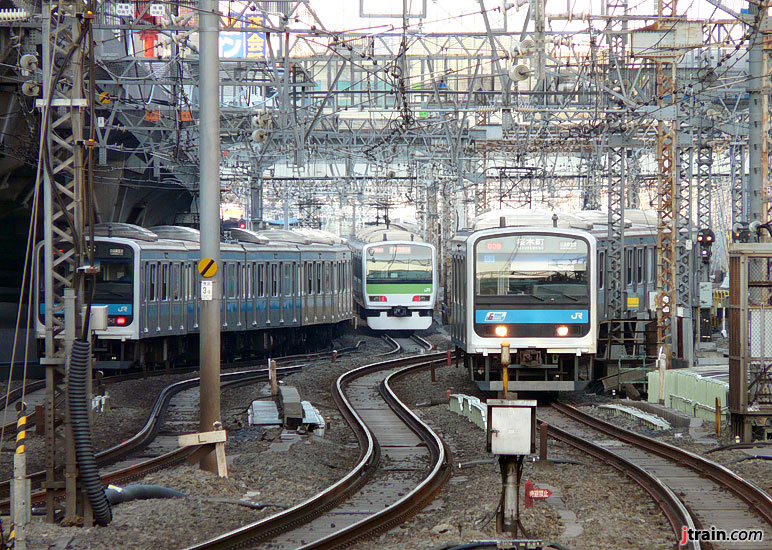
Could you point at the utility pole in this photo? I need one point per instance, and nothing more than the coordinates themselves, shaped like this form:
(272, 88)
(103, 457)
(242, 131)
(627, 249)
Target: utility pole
(66, 46)
(209, 206)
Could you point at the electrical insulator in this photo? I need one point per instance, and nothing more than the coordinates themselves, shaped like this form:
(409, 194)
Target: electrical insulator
(520, 72)
(260, 136)
(30, 88)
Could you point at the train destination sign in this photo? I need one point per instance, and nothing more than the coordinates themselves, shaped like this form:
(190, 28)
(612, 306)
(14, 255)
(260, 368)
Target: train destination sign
(207, 267)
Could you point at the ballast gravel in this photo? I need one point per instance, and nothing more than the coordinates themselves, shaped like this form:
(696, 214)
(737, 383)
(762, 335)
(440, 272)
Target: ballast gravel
(610, 512)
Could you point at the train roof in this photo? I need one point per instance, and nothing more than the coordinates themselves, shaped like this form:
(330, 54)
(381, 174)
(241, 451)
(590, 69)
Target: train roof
(378, 234)
(125, 231)
(595, 221)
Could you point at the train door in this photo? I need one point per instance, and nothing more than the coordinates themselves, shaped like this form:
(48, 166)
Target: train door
(175, 298)
(307, 288)
(251, 318)
(263, 301)
(283, 291)
(242, 295)
(164, 308)
(274, 282)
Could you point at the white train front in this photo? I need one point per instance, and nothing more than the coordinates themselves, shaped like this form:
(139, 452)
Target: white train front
(534, 288)
(395, 280)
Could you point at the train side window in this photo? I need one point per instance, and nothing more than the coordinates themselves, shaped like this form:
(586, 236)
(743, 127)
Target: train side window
(327, 277)
(274, 280)
(286, 280)
(298, 283)
(250, 280)
(640, 266)
(165, 282)
(151, 275)
(230, 281)
(629, 266)
(601, 269)
(652, 264)
(318, 270)
(261, 280)
(176, 283)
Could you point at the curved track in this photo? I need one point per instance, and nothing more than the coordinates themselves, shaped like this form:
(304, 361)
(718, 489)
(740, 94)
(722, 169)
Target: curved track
(402, 465)
(148, 433)
(709, 494)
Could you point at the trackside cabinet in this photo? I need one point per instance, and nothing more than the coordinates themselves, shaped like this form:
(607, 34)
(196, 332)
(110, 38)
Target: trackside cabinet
(511, 427)
(750, 340)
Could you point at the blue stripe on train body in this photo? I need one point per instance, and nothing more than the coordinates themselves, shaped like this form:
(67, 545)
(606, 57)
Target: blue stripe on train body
(533, 316)
(112, 309)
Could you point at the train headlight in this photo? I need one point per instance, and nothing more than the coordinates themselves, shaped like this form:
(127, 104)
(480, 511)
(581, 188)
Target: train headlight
(500, 331)
(562, 330)
(120, 321)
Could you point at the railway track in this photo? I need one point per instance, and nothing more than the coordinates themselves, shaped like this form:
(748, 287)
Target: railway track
(34, 391)
(406, 344)
(692, 491)
(402, 465)
(169, 453)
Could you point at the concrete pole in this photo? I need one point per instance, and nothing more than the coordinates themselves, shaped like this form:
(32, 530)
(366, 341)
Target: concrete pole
(209, 208)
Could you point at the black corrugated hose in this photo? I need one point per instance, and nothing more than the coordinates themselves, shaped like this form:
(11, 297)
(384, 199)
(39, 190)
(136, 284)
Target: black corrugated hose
(81, 432)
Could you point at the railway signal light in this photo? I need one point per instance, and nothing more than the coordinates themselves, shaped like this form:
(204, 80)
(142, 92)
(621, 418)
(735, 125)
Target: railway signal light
(705, 238)
(741, 233)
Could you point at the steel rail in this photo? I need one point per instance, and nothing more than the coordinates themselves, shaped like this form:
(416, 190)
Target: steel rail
(415, 500)
(422, 342)
(759, 500)
(392, 342)
(148, 432)
(249, 535)
(676, 513)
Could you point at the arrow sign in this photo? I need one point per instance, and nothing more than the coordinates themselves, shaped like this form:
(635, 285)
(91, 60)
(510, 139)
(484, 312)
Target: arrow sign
(207, 267)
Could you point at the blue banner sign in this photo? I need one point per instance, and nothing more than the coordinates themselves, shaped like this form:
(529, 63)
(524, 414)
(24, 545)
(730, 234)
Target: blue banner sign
(533, 316)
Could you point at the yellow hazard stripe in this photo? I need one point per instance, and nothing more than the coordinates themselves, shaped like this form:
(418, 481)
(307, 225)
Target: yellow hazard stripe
(21, 421)
(19, 449)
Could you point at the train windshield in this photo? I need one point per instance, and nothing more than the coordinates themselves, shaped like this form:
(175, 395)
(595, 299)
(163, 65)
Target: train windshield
(539, 267)
(403, 263)
(115, 277)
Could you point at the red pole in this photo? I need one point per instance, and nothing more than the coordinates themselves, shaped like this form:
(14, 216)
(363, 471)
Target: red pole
(528, 488)
(449, 359)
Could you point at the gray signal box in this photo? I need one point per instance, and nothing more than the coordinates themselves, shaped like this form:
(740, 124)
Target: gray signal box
(511, 427)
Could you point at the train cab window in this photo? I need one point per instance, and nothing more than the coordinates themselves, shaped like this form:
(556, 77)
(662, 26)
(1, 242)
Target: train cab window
(261, 280)
(165, 282)
(639, 267)
(601, 269)
(629, 266)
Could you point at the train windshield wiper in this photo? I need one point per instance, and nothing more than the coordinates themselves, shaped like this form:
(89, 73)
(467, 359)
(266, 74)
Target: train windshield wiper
(562, 294)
